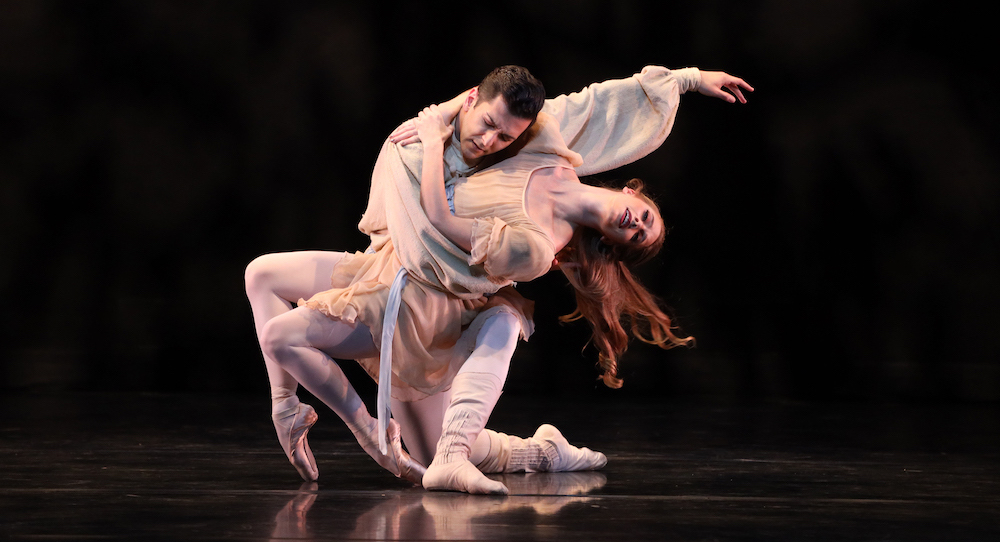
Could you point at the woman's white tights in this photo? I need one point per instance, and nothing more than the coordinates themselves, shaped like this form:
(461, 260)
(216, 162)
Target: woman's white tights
(298, 344)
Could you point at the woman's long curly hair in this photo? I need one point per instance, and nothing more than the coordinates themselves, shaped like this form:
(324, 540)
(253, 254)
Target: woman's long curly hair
(608, 295)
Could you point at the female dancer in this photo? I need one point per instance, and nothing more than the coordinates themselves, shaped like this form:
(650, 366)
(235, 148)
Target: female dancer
(518, 217)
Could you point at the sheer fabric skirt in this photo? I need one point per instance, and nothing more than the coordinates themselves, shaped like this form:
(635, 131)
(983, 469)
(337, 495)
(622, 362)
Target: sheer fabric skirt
(435, 331)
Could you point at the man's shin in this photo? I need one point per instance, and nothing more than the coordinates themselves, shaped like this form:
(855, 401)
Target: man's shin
(473, 396)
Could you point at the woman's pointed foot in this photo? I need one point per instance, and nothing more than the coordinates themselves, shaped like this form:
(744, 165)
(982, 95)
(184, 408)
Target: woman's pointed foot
(409, 469)
(292, 427)
(397, 461)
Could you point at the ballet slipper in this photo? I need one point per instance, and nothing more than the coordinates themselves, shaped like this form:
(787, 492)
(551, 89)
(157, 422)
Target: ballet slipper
(566, 457)
(461, 475)
(546, 451)
(473, 397)
(397, 461)
(292, 427)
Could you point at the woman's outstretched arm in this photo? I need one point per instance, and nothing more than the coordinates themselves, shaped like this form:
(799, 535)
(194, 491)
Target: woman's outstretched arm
(433, 130)
(619, 121)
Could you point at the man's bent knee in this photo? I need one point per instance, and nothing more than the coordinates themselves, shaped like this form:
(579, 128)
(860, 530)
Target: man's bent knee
(500, 332)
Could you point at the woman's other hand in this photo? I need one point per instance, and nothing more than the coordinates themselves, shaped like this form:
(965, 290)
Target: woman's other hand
(406, 133)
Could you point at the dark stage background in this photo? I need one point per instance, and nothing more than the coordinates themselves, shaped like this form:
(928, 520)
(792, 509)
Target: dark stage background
(836, 238)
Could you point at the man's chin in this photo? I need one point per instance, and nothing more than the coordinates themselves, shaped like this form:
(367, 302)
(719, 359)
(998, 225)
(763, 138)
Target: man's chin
(472, 156)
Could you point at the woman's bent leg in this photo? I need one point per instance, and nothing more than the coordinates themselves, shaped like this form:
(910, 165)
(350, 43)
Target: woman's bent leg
(274, 283)
(304, 342)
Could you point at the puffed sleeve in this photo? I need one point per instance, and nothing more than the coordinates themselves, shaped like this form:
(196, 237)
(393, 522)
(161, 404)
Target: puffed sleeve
(510, 252)
(619, 121)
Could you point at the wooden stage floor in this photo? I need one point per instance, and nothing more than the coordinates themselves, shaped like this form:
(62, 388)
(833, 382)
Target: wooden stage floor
(201, 467)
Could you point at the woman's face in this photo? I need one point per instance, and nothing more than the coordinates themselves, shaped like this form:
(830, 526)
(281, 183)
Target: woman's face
(631, 220)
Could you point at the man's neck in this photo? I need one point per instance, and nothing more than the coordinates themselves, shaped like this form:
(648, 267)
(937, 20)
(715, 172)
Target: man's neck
(456, 140)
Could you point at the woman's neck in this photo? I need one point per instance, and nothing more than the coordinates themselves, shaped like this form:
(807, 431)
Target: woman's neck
(581, 204)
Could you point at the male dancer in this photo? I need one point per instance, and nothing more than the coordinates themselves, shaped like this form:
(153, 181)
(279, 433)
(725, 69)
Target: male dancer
(610, 124)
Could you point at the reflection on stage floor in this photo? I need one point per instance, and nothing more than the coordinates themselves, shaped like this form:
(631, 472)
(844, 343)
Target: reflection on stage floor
(177, 467)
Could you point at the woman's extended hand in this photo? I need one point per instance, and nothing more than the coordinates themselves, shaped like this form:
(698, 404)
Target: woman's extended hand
(713, 83)
(431, 125)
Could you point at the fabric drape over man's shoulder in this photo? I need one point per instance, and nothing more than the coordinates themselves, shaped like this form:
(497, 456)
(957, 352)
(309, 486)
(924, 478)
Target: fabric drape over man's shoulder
(394, 212)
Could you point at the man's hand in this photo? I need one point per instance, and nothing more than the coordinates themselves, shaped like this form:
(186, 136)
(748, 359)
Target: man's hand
(713, 83)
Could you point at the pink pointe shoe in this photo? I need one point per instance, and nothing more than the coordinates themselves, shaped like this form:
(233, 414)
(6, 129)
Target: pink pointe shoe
(397, 461)
(292, 427)
(409, 469)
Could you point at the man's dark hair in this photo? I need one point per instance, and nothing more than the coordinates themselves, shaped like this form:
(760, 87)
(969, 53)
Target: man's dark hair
(521, 91)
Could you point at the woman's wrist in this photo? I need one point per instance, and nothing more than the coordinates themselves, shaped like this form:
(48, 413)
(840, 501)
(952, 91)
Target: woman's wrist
(434, 148)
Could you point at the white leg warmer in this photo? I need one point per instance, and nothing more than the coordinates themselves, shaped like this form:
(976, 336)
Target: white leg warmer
(546, 451)
(474, 393)
(473, 398)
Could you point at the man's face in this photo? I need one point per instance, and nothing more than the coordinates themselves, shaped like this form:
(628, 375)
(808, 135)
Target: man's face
(487, 127)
